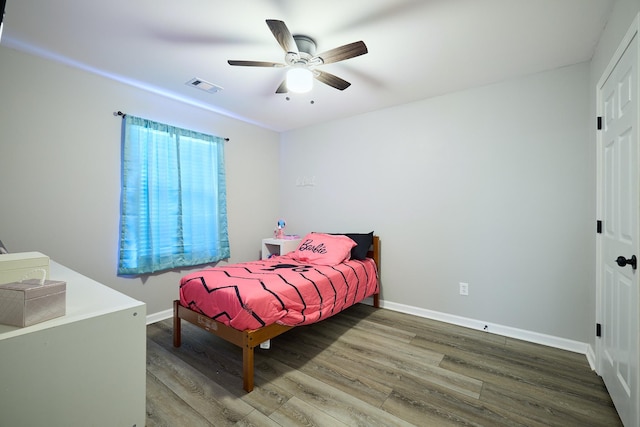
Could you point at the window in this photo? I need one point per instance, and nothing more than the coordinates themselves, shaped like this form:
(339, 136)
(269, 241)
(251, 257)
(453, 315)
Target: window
(173, 199)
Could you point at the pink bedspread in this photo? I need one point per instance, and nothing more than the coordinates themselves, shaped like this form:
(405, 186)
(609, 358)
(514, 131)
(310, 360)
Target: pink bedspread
(255, 294)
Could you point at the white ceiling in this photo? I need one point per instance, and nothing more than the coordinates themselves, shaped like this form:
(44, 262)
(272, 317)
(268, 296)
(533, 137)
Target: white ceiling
(417, 48)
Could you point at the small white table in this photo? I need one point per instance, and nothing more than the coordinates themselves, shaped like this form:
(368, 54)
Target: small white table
(271, 246)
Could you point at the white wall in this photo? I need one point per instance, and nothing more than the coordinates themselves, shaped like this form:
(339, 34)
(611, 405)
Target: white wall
(60, 170)
(492, 186)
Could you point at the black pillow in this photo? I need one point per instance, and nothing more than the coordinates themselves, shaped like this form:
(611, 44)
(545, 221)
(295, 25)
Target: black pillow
(364, 242)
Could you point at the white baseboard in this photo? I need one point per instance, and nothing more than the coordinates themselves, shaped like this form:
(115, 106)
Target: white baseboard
(507, 331)
(493, 328)
(159, 316)
(591, 358)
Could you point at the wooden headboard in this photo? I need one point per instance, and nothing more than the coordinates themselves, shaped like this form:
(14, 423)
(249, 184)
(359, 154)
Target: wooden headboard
(374, 252)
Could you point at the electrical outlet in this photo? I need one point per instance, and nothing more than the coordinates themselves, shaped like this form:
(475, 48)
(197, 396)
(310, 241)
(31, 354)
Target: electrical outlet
(464, 288)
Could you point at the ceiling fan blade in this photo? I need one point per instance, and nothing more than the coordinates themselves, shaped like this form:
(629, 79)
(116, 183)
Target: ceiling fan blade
(255, 63)
(341, 53)
(282, 35)
(283, 87)
(331, 80)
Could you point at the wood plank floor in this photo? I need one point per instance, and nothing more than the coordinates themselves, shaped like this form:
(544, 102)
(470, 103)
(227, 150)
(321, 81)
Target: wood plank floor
(372, 367)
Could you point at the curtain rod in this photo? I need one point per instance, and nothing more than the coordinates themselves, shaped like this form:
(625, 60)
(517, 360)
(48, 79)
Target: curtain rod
(120, 113)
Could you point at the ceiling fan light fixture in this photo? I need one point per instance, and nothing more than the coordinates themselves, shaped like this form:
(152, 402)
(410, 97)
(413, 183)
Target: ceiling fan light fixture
(302, 60)
(299, 80)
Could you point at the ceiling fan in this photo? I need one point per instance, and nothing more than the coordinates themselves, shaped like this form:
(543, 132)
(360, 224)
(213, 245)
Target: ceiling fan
(302, 60)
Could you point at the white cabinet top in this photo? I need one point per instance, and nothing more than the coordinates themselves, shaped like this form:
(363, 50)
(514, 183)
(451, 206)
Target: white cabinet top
(85, 298)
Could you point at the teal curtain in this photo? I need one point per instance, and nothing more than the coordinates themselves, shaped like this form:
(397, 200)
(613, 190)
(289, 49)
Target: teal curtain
(173, 199)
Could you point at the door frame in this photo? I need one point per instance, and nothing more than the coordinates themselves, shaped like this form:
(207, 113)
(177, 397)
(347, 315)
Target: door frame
(634, 31)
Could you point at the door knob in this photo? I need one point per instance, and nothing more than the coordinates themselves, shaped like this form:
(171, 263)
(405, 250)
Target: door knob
(622, 261)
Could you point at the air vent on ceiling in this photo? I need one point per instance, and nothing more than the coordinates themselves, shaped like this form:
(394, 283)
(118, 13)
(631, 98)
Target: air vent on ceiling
(203, 85)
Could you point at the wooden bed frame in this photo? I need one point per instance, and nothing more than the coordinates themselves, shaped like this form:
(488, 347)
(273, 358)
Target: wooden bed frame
(249, 339)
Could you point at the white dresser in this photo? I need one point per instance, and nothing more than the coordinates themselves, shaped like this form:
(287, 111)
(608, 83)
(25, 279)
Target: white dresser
(87, 368)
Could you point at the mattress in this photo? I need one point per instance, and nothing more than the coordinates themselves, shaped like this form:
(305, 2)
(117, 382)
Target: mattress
(251, 295)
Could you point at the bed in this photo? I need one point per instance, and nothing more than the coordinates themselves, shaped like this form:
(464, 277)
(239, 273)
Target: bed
(250, 303)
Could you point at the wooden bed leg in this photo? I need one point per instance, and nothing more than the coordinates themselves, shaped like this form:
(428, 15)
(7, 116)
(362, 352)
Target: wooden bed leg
(376, 300)
(177, 333)
(247, 368)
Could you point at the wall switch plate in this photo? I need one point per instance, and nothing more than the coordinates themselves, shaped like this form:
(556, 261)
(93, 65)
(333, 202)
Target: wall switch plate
(464, 288)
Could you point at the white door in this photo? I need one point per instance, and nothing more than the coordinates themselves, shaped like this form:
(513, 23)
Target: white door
(619, 197)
